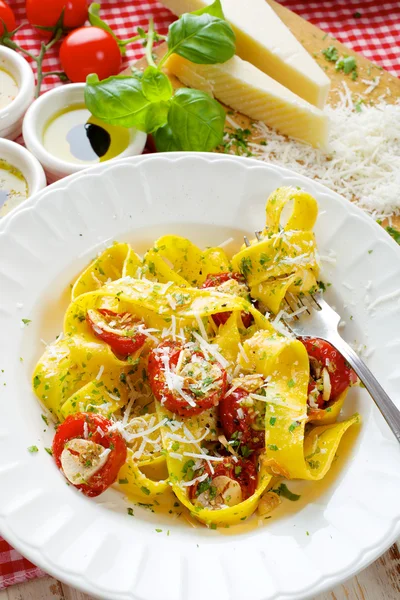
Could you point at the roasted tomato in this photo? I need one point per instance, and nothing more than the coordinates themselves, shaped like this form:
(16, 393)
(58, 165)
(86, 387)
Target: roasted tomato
(119, 330)
(183, 380)
(330, 375)
(88, 453)
(241, 416)
(229, 283)
(232, 482)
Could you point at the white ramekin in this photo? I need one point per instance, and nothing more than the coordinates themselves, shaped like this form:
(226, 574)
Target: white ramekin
(11, 116)
(39, 114)
(19, 157)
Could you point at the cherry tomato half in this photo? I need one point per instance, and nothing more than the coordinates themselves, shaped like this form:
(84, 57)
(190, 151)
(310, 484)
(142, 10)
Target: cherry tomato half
(46, 13)
(90, 50)
(216, 280)
(119, 330)
(96, 429)
(201, 383)
(324, 356)
(242, 471)
(6, 16)
(238, 421)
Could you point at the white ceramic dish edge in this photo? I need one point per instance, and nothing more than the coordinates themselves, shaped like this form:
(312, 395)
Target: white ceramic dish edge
(11, 116)
(39, 114)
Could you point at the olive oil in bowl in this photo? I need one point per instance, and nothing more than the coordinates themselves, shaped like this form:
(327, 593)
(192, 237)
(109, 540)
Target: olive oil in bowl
(75, 136)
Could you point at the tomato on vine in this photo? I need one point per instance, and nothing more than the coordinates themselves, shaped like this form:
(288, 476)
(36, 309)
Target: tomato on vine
(46, 14)
(90, 50)
(7, 17)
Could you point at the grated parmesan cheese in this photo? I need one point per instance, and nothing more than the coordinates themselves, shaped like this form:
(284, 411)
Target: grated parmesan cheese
(363, 158)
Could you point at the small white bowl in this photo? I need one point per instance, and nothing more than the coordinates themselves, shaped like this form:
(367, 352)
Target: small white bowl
(11, 116)
(39, 114)
(19, 157)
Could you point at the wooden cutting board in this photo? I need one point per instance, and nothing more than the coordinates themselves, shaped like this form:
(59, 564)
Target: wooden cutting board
(315, 41)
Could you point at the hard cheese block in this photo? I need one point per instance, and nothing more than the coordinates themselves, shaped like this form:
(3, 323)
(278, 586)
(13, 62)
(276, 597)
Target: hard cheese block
(264, 40)
(248, 90)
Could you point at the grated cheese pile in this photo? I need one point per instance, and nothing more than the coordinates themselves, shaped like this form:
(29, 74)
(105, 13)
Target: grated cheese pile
(363, 158)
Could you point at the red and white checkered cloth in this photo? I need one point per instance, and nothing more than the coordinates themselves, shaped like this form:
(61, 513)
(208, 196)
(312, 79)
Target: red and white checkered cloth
(371, 27)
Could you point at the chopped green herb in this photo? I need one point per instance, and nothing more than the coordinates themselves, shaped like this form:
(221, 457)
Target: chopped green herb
(130, 511)
(175, 446)
(45, 419)
(293, 426)
(283, 490)
(49, 451)
(159, 530)
(33, 449)
(347, 64)
(394, 233)
(213, 526)
(26, 321)
(36, 382)
(273, 447)
(145, 490)
(331, 54)
(123, 481)
(291, 383)
(245, 265)
(272, 421)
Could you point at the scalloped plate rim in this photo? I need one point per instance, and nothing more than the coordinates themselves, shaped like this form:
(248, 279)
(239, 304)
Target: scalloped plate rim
(368, 554)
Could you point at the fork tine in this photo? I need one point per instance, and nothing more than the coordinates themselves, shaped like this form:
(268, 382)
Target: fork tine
(291, 310)
(246, 240)
(258, 235)
(316, 302)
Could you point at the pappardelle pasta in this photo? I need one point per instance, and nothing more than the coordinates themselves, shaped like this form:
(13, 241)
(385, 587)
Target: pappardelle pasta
(172, 377)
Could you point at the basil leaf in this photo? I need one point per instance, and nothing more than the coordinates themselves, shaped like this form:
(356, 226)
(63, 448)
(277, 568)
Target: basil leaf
(155, 85)
(120, 101)
(215, 9)
(196, 120)
(165, 141)
(204, 39)
(96, 21)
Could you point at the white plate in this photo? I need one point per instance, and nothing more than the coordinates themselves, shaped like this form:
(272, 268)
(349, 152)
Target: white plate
(336, 529)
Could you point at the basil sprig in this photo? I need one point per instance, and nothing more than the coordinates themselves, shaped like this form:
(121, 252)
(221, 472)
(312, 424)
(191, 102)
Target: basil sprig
(188, 120)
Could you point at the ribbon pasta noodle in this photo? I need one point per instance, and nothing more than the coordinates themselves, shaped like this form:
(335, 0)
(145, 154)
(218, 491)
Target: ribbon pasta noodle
(170, 379)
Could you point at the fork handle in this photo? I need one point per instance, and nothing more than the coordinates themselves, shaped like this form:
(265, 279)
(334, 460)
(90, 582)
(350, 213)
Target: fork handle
(389, 411)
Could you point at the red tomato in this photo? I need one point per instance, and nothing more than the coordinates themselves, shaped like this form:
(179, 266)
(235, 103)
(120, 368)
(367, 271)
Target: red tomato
(242, 423)
(116, 329)
(326, 356)
(90, 50)
(97, 430)
(243, 471)
(6, 15)
(203, 383)
(46, 13)
(217, 279)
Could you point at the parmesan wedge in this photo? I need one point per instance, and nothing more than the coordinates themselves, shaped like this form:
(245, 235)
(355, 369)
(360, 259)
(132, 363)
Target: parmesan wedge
(248, 90)
(264, 40)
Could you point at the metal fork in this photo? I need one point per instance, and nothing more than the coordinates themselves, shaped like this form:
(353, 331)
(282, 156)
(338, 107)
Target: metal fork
(318, 319)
